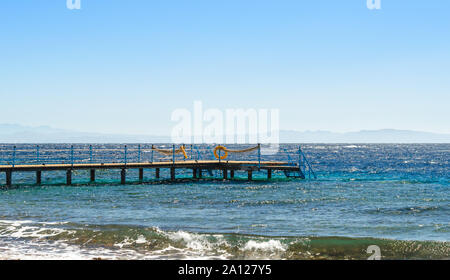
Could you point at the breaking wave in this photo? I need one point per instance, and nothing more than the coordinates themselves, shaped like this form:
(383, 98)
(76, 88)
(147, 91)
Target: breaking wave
(34, 240)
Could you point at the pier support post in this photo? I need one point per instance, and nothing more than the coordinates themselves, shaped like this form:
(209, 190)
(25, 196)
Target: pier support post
(69, 177)
(92, 175)
(250, 174)
(225, 174)
(38, 177)
(269, 174)
(157, 173)
(8, 178)
(123, 175)
(172, 173)
(141, 175)
(232, 174)
(194, 173)
(200, 173)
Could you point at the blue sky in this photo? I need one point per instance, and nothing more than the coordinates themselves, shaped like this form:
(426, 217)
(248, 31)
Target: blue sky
(124, 66)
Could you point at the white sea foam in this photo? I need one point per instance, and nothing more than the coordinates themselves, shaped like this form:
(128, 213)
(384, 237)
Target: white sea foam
(198, 245)
(28, 240)
(269, 246)
(141, 240)
(38, 249)
(29, 229)
(126, 242)
(192, 241)
(191, 246)
(42, 250)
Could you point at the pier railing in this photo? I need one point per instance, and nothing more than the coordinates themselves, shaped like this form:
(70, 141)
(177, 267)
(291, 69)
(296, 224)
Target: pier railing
(45, 154)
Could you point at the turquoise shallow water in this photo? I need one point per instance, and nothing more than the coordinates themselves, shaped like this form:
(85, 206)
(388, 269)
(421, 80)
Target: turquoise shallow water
(394, 196)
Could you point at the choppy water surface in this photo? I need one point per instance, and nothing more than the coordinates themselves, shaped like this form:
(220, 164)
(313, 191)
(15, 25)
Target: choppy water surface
(393, 196)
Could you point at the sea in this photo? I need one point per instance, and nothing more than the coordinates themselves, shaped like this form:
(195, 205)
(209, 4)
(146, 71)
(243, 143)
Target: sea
(387, 199)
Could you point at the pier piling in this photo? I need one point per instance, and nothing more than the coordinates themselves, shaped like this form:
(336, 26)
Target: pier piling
(225, 174)
(232, 174)
(250, 174)
(69, 177)
(172, 173)
(8, 178)
(157, 175)
(123, 175)
(92, 175)
(141, 175)
(269, 173)
(38, 177)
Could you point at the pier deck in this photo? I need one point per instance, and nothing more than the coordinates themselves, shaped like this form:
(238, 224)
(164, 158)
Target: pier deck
(197, 158)
(197, 166)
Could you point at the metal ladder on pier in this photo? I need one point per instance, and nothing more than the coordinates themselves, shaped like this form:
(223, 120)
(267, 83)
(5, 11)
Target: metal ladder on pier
(305, 171)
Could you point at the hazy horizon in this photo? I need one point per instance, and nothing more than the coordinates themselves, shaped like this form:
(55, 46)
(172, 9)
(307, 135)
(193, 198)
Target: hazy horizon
(12, 133)
(143, 133)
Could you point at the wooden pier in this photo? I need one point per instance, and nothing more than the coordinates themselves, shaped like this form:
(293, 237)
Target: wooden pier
(228, 169)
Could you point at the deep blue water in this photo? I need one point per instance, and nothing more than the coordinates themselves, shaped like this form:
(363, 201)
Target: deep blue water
(396, 196)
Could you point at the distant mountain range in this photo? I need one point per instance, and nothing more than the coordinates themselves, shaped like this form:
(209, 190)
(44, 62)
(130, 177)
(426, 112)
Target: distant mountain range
(12, 133)
(364, 136)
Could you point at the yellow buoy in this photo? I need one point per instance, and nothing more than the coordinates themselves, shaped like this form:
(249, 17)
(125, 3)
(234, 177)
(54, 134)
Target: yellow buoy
(224, 156)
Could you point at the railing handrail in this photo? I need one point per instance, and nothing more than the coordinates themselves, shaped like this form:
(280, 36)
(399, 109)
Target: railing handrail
(307, 162)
